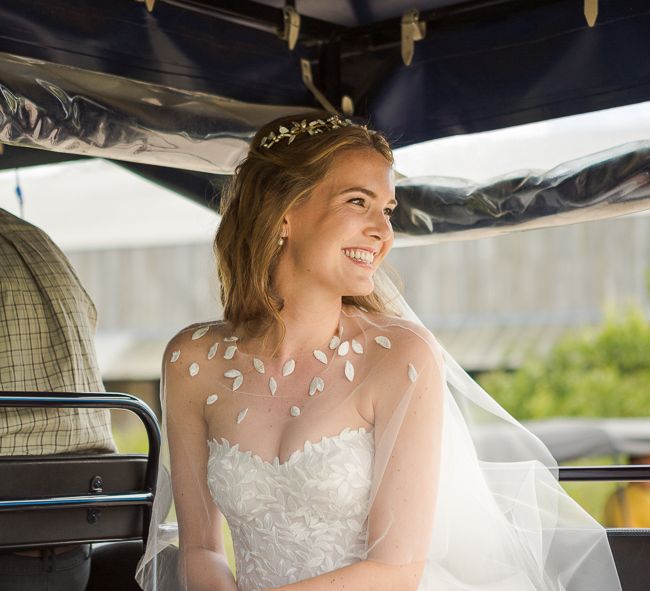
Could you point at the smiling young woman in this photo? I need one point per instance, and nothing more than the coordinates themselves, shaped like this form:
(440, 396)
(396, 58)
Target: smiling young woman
(311, 182)
(344, 446)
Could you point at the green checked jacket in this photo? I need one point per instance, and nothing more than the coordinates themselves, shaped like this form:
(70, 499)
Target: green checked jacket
(47, 326)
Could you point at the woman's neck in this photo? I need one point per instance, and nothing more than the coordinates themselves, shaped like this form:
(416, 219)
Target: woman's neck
(308, 328)
(311, 315)
(308, 324)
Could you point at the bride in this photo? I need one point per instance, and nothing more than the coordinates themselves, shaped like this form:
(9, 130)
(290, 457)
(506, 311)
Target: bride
(343, 445)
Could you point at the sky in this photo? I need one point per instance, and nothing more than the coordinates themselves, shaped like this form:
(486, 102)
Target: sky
(95, 204)
(534, 146)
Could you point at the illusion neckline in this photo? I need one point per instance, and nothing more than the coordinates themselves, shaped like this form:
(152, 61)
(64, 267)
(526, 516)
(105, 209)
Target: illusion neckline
(307, 447)
(243, 352)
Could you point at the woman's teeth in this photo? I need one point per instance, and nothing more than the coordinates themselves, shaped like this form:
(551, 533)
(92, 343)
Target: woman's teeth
(360, 255)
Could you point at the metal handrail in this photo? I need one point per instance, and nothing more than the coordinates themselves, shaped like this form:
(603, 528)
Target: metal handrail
(108, 400)
(636, 473)
(89, 500)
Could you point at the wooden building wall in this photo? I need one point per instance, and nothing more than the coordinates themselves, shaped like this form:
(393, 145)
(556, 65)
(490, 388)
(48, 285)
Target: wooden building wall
(489, 301)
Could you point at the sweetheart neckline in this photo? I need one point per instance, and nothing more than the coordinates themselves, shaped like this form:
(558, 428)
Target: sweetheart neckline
(224, 443)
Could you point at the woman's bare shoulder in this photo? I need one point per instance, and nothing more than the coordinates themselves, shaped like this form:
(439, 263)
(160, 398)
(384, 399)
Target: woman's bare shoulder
(192, 345)
(190, 362)
(405, 355)
(400, 335)
(196, 335)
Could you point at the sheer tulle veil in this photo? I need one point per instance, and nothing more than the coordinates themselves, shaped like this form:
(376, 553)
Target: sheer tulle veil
(482, 508)
(502, 521)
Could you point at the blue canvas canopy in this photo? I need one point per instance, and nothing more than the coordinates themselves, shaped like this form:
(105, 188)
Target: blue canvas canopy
(176, 89)
(481, 64)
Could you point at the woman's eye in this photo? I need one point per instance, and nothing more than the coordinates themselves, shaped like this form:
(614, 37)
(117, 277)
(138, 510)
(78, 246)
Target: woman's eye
(388, 211)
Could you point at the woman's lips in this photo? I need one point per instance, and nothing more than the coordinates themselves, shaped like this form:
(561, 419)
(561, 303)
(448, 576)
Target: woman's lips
(359, 263)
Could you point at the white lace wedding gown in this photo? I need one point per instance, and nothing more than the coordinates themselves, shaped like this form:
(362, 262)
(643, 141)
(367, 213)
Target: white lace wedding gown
(297, 519)
(488, 516)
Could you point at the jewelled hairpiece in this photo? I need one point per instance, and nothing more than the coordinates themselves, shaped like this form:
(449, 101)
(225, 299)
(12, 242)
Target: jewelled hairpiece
(312, 128)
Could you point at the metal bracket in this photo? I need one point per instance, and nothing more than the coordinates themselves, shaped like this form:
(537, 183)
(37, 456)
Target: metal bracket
(96, 485)
(149, 4)
(291, 29)
(347, 105)
(308, 81)
(591, 11)
(412, 30)
(93, 515)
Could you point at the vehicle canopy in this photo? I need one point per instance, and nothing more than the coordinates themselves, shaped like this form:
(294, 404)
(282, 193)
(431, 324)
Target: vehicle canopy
(175, 89)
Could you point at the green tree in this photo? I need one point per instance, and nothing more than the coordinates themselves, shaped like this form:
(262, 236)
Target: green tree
(593, 373)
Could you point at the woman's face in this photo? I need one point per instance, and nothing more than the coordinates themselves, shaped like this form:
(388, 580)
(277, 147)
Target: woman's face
(339, 236)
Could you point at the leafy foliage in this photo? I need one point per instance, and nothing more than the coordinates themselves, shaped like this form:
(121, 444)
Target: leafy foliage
(593, 373)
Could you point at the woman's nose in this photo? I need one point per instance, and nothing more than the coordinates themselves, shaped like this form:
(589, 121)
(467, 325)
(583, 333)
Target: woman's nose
(380, 228)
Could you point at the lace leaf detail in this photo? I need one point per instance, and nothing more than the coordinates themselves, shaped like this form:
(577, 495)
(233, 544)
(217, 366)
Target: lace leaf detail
(197, 334)
(349, 370)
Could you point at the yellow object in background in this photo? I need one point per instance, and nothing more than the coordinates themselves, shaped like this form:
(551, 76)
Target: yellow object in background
(230, 553)
(629, 506)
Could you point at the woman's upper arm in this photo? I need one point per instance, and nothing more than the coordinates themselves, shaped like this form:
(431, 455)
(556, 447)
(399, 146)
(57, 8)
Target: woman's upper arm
(199, 520)
(408, 431)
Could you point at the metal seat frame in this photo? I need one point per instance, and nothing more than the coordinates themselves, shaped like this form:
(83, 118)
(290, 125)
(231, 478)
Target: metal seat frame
(75, 498)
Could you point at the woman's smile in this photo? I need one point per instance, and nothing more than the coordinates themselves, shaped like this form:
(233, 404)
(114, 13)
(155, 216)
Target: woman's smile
(360, 257)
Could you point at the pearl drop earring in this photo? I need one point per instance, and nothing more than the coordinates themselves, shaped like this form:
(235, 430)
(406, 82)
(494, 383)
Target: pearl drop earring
(281, 241)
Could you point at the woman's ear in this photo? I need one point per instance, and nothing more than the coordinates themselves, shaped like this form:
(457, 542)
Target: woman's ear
(285, 228)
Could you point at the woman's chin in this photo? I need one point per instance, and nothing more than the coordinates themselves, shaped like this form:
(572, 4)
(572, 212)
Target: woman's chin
(360, 289)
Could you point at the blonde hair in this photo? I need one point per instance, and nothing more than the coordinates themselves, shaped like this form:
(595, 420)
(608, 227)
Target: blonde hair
(265, 186)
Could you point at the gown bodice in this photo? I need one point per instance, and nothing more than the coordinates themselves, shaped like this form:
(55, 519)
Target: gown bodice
(296, 519)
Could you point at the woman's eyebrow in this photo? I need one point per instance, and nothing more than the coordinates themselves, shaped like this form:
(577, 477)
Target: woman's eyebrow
(366, 192)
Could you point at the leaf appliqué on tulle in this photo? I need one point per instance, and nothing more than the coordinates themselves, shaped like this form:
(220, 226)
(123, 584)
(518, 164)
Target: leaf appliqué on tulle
(349, 370)
(197, 334)
(412, 373)
(288, 367)
(383, 341)
(242, 415)
(258, 364)
(317, 385)
(320, 356)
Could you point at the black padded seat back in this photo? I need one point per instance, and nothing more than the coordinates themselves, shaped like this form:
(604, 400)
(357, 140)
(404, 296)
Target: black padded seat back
(66, 474)
(631, 551)
(60, 476)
